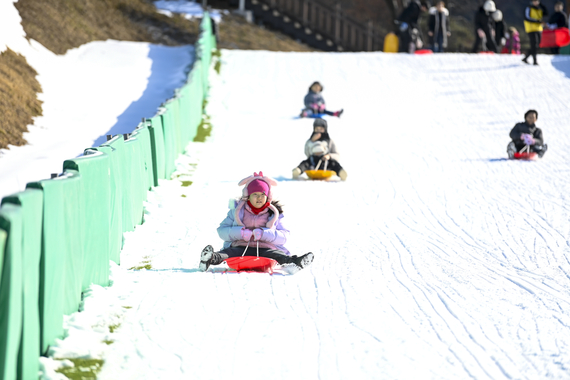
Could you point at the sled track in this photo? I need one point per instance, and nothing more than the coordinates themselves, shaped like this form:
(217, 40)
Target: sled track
(437, 259)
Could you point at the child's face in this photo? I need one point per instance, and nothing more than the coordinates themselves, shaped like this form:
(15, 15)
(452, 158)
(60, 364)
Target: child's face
(319, 129)
(531, 118)
(558, 7)
(440, 6)
(316, 88)
(257, 199)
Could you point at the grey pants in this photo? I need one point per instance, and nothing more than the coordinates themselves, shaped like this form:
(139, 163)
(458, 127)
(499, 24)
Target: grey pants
(279, 256)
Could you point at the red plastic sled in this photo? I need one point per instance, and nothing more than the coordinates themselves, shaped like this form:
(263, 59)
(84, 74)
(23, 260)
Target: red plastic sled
(526, 156)
(555, 38)
(423, 51)
(251, 264)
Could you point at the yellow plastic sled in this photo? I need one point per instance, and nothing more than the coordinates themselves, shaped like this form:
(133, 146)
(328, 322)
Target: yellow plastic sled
(391, 43)
(319, 174)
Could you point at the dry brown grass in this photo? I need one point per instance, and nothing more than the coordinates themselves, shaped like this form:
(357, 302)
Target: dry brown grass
(18, 98)
(60, 25)
(236, 33)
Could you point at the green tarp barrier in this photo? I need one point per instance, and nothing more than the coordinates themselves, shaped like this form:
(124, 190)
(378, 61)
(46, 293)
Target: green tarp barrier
(31, 204)
(94, 196)
(170, 151)
(11, 300)
(157, 137)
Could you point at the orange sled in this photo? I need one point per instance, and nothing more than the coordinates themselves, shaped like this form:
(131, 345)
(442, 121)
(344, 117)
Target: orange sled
(319, 174)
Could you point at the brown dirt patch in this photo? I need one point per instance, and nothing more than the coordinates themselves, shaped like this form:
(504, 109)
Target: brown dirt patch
(18, 98)
(236, 33)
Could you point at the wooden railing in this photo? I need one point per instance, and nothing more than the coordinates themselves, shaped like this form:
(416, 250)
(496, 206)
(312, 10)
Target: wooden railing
(320, 22)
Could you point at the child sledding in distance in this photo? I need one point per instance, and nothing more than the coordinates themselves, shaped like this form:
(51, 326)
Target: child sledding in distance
(315, 103)
(255, 222)
(527, 134)
(320, 148)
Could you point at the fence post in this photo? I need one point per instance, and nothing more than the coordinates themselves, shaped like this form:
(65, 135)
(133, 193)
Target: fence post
(337, 22)
(305, 11)
(370, 35)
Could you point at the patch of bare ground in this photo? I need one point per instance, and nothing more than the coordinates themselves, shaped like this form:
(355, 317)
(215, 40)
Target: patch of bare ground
(18, 98)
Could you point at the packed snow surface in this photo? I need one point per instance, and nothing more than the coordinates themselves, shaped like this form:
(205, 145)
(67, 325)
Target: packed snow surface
(438, 258)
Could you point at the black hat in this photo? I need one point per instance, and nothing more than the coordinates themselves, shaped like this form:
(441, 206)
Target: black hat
(314, 83)
(320, 123)
(531, 111)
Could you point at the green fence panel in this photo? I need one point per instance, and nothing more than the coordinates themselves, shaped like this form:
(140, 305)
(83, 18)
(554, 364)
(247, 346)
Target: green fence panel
(61, 264)
(143, 134)
(115, 149)
(157, 135)
(31, 203)
(11, 291)
(565, 50)
(173, 114)
(170, 152)
(94, 171)
(136, 175)
(196, 101)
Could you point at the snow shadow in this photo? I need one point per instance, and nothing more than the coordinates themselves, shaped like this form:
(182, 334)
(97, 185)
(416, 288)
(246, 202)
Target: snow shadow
(166, 75)
(562, 63)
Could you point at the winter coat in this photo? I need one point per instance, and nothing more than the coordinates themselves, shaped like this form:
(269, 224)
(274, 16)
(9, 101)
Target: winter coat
(485, 22)
(533, 18)
(274, 232)
(411, 14)
(313, 98)
(521, 128)
(500, 30)
(331, 148)
(513, 44)
(558, 20)
(439, 23)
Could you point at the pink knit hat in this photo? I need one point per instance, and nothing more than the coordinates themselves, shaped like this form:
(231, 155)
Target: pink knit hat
(258, 185)
(253, 183)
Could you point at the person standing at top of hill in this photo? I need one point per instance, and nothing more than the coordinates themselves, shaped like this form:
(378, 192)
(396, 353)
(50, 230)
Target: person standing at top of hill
(315, 103)
(500, 29)
(559, 19)
(408, 31)
(438, 25)
(533, 16)
(485, 28)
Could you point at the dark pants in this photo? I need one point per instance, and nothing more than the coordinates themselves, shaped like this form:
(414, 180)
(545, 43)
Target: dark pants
(438, 44)
(490, 44)
(312, 162)
(407, 42)
(316, 112)
(533, 148)
(534, 38)
(279, 256)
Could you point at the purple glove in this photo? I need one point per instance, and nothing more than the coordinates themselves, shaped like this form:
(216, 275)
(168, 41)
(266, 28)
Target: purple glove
(257, 234)
(528, 139)
(246, 234)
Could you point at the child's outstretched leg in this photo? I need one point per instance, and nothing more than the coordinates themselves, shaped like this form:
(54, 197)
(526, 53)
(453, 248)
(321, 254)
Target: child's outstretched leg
(335, 166)
(335, 113)
(209, 257)
(303, 166)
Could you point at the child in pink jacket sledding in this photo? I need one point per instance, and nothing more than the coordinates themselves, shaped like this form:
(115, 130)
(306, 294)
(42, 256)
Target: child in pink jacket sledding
(255, 221)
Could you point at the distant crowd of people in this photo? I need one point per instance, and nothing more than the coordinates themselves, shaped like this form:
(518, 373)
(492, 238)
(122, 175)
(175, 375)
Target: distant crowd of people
(491, 32)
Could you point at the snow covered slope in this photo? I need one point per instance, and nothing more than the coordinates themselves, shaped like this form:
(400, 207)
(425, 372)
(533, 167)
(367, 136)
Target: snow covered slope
(436, 259)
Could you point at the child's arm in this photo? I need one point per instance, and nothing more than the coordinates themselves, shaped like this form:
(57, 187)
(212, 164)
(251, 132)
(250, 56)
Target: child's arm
(538, 139)
(278, 235)
(333, 152)
(227, 231)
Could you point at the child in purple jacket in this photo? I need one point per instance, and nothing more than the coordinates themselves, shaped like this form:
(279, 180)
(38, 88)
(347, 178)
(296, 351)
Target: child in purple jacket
(255, 220)
(315, 103)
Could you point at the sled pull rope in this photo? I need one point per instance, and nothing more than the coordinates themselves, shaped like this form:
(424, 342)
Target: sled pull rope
(526, 147)
(326, 162)
(245, 250)
(319, 164)
(258, 249)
